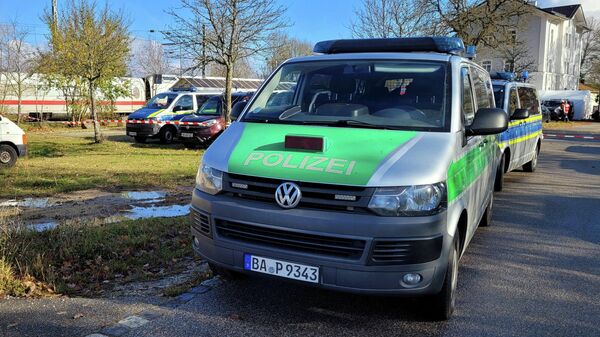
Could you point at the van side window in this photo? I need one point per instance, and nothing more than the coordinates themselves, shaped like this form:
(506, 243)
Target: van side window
(483, 91)
(467, 97)
(200, 99)
(185, 103)
(513, 101)
(529, 100)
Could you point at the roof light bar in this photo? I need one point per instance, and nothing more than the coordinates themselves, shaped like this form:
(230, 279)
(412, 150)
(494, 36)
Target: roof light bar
(439, 44)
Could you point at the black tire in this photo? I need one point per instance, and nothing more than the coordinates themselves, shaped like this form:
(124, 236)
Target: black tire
(532, 165)
(167, 135)
(486, 220)
(140, 139)
(443, 303)
(225, 274)
(8, 156)
(499, 181)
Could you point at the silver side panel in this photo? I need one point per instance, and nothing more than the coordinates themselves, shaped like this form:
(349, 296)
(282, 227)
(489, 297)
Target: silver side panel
(217, 155)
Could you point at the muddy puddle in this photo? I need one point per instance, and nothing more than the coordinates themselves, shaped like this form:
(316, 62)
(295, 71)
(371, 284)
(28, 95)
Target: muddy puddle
(41, 214)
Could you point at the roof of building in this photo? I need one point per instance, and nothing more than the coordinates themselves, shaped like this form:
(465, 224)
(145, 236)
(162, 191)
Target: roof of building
(568, 11)
(215, 83)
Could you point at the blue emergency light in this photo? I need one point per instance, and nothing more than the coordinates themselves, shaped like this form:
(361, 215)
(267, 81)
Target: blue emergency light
(438, 44)
(504, 75)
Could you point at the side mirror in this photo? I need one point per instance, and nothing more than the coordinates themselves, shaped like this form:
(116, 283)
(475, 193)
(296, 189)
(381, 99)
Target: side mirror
(488, 121)
(237, 109)
(520, 114)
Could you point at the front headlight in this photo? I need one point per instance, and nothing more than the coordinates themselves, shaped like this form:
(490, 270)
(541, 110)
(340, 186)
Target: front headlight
(209, 123)
(409, 200)
(209, 180)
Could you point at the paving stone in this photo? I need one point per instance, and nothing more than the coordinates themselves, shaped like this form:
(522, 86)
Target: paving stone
(199, 289)
(150, 315)
(212, 282)
(185, 297)
(115, 330)
(133, 321)
(96, 335)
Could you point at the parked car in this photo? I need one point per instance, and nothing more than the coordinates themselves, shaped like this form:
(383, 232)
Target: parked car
(205, 125)
(546, 114)
(556, 113)
(370, 177)
(150, 121)
(13, 143)
(521, 143)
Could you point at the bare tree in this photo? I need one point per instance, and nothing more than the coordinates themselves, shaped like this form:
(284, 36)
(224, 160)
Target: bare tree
(590, 49)
(224, 32)
(481, 22)
(517, 56)
(18, 60)
(283, 47)
(148, 58)
(242, 69)
(395, 18)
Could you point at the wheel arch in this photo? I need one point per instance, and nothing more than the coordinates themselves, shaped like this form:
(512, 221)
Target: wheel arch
(11, 145)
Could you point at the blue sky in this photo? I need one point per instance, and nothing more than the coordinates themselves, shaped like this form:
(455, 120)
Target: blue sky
(313, 20)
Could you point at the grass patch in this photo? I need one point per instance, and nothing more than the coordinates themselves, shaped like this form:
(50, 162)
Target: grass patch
(78, 258)
(63, 160)
(558, 125)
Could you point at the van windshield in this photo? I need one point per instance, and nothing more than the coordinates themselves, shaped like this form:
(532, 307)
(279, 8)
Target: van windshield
(407, 95)
(161, 101)
(210, 107)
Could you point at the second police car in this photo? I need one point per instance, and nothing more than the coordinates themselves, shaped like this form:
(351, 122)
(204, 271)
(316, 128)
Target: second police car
(521, 142)
(370, 175)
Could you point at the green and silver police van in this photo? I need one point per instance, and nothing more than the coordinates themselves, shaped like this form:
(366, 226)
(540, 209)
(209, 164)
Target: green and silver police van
(521, 143)
(370, 177)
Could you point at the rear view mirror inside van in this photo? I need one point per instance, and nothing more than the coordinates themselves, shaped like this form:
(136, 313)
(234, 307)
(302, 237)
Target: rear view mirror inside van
(520, 114)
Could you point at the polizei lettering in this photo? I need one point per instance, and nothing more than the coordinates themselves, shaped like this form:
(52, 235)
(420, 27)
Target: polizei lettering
(309, 163)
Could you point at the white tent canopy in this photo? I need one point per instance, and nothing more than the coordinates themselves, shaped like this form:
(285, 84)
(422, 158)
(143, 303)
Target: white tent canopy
(581, 100)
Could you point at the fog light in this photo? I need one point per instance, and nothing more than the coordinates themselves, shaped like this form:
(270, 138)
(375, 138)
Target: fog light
(412, 279)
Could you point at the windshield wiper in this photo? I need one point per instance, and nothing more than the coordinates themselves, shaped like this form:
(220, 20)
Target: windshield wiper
(350, 123)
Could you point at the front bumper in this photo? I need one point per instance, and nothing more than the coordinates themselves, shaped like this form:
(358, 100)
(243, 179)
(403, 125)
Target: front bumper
(142, 130)
(22, 150)
(200, 134)
(357, 274)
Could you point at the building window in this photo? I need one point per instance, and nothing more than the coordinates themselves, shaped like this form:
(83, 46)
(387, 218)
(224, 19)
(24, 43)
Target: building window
(509, 66)
(487, 65)
(513, 35)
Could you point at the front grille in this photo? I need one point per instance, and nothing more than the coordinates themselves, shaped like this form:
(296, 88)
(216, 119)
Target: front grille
(290, 240)
(314, 195)
(201, 222)
(398, 251)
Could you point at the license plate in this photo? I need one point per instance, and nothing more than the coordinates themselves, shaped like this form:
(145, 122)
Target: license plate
(133, 133)
(187, 135)
(295, 271)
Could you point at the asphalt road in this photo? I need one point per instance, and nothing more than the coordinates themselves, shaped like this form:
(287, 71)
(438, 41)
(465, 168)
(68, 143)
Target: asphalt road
(535, 272)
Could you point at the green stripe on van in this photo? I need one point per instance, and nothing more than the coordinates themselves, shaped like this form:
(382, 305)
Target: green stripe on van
(464, 171)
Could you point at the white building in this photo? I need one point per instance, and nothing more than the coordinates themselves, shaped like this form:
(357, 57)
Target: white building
(553, 39)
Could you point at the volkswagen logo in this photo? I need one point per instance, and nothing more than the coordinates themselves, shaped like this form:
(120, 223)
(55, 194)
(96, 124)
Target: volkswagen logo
(288, 195)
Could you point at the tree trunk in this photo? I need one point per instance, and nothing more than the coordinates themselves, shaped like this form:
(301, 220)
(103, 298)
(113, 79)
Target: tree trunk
(19, 101)
(97, 133)
(228, 90)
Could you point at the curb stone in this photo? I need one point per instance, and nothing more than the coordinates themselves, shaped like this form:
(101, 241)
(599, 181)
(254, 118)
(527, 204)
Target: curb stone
(135, 321)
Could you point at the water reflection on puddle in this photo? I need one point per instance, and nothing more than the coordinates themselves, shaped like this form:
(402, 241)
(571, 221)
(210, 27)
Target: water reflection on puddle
(157, 212)
(43, 226)
(29, 203)
(146, 196)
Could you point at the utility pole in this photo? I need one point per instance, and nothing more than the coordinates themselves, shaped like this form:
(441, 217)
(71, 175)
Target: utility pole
(54, 12)
(203, 50)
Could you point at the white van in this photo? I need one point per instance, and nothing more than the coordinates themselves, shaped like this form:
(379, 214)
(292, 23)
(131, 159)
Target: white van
(13, 143)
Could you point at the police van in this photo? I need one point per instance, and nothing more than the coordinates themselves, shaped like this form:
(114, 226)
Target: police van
(521, 143)
(371, 176)
(151, 120)
(13, 143)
